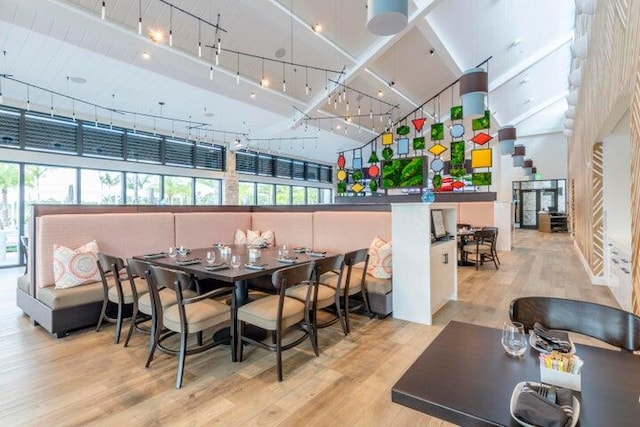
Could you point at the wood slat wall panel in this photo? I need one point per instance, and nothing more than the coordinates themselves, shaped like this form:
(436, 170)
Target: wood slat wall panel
(614, 46)
(597, 200)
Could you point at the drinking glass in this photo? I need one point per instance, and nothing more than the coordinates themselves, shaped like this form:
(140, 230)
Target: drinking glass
(283, 252)
(514, 339)
(211, 257)
(235, 261)
(172, 252)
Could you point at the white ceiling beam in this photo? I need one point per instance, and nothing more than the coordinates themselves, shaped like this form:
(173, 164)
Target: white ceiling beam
(530, 61)
(538, 108)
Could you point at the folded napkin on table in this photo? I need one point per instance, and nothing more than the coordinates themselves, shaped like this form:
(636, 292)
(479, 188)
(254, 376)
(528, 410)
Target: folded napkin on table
(188, 261)
(537, 410)
(551, 340)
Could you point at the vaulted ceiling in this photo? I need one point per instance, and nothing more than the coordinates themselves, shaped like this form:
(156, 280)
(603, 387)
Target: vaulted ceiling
(55, 44)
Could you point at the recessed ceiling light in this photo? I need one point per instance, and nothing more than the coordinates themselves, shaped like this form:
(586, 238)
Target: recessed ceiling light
(156, 36)
(78, 80)
(380, 93)
(338, 127)
(316, 27)
(145, 55)
(253, 94)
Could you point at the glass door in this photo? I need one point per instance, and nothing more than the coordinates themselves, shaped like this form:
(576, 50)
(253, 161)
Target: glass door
(529, 210)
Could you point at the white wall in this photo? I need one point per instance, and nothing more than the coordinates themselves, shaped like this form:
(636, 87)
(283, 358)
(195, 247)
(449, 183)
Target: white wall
(617, 184)
(549, 155)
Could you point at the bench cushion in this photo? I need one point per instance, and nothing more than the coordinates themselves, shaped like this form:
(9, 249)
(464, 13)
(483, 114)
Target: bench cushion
(71, 297)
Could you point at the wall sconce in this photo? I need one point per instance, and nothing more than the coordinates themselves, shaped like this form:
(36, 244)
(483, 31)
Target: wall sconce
(474, 85)
(507, 138)
(518, 155)
(387, 17)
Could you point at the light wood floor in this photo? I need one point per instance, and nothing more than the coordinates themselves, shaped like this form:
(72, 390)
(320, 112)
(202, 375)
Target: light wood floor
(84, 379)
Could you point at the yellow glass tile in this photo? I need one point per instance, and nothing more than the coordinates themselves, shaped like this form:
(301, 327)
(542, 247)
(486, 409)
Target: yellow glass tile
(387, 138)
(481, 158)
(437, 149)
(357, 187)
(341, 175)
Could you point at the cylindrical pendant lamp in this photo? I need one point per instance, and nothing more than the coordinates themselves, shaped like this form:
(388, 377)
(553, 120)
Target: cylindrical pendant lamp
(507, 138)
(474, 85)
(534, 171)
(527, 165)
(387, 17)
(518, 155)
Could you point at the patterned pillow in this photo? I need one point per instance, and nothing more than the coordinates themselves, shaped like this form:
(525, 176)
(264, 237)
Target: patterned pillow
(74, 267)
(380, 259)
(255, 238)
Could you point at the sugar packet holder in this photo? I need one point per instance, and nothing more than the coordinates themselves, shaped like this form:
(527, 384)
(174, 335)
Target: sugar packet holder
(561, 371)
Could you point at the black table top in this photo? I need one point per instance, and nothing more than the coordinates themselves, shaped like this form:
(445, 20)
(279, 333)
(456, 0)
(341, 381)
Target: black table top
(467, 378)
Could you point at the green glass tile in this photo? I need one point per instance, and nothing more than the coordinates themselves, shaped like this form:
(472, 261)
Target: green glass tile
(481, 178)
(482, 122)
(457, 172)
(373, 185)
(357, 175)
(418, 143)
(403, 130)
(373, 158)
(437, 181)
(437, 132)
(342, 187)
(387, 153)
(456, 112)
(457, 152)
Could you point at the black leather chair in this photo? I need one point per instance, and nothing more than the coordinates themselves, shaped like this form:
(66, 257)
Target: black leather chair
(611, 325)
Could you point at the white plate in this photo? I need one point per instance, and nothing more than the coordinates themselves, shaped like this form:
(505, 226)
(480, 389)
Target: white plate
(532, 342)
(514, 399)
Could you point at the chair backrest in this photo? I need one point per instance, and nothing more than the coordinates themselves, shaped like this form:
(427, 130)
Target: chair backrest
(608, 324)
(112, 266)
(463, 226)
(290, 276)
(176, 280)
(330, 263)
(485, 236)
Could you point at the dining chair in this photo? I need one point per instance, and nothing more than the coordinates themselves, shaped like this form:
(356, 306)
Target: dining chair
(348, 282)
(495, 251)
(611, 325)
(482, 246)
(119, 289)
(327, 296)
(280, 313)
(188, 315)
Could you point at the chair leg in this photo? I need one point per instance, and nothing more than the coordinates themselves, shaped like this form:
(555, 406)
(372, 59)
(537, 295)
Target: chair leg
(478, 258)
(346, 312)
(183, 351)
(103, 314)
(310, 322)
(365, 298)
(239, 329)
(199, 338)
(116, 339)
(155, 338)
(279, 355)
(134, 317)
(340, 314)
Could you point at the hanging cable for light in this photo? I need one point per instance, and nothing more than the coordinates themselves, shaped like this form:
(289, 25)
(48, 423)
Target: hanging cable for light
(103, 13)
(139, 17)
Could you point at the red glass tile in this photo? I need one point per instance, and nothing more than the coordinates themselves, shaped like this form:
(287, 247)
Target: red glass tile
(457, 184)
(341, 161)
(418, 123)
(374, 170)
(481, 138)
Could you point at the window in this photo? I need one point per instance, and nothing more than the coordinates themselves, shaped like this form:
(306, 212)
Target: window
(283, 195)
(326, 197)
(100, 187)
(246, 193)
(246, 162)
(265, 165)
(9, 215)
(99, 141)
(178, 190)
(142, 189)
(49, 134)
(298, 195)
(143, 148)
(49, 185)
(265, 194)
(313, 196)
(208, 191)
(178, 153)
(298, 170)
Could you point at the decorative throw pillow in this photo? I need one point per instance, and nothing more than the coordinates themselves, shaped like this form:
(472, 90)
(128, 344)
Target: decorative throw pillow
(74, 267)
(255, 238)
(380, 259)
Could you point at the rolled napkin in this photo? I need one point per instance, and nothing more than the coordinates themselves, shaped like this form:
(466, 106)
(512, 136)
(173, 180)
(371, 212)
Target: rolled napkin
(551, 340)
(534, 409)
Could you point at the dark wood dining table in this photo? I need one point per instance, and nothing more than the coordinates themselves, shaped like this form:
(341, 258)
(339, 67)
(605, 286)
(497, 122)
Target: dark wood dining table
(466, 377)
(237, 276)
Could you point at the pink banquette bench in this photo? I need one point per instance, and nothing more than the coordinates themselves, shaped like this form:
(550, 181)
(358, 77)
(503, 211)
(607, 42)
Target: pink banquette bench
(125, 234)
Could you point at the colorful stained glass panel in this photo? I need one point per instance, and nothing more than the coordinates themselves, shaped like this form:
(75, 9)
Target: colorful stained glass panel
(482, 122)
(373, 158)
(437, 131)
(341, 161)
(418, 123)
(403, 145)
(418, 143)
(457, 184)
(481, 158)
(481, 178)
(457, 152)
(456, 112)
(457, 172)
(437, 149)
(387, 153)
(481, 138)
(437, 165)
(357, 175)
(357, 187)
(374, 171)
(387, 138)
(456, 130)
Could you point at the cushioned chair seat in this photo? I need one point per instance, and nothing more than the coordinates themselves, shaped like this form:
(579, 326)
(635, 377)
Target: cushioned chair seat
(374, 285)
(331, 279)
(71, 297)
(200, 315)
(326, 294)
(167, 298)
(483, 248)
(127, 294)
(263, 312)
